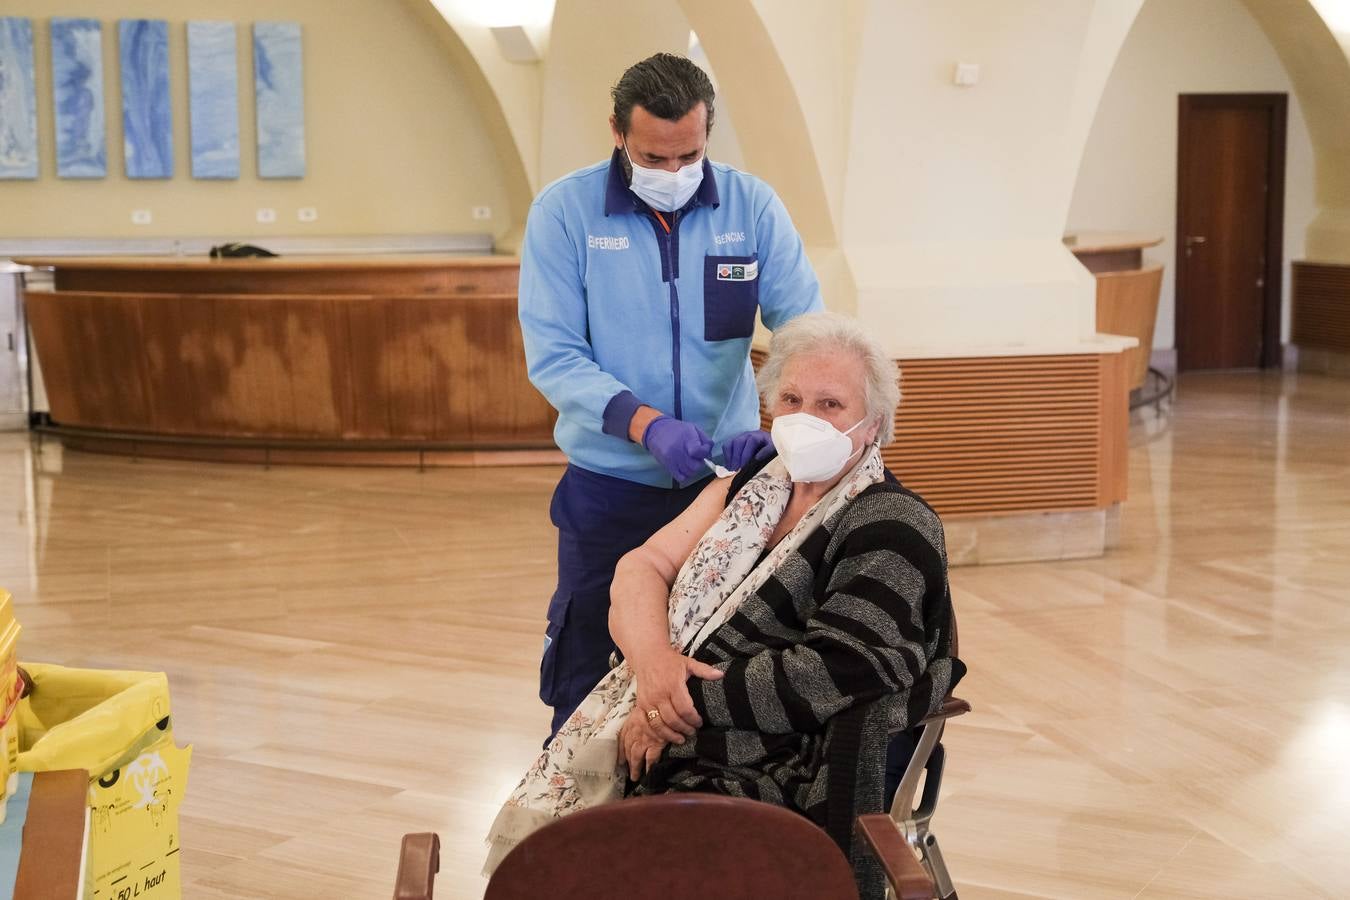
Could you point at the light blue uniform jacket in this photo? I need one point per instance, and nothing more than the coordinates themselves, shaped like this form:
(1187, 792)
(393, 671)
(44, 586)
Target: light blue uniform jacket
(616, 312)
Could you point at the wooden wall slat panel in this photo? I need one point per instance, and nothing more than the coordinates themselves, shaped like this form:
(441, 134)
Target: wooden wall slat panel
(989, 435)
(1113, 425)
(1321, 306)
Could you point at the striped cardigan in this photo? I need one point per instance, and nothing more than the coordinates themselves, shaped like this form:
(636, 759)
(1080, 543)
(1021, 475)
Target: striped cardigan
(850, 638)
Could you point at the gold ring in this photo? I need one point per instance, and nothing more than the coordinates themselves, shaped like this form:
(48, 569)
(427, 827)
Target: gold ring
(653, 715)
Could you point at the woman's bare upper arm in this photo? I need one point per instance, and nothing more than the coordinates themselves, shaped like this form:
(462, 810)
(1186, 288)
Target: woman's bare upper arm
(670, 547)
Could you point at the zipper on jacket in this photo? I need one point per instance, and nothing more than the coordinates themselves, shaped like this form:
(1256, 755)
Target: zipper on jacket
(675, 335)
(672, 267)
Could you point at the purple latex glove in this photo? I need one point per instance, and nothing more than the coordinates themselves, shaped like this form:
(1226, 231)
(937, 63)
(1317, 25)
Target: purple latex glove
(747, 446)
(681, 447)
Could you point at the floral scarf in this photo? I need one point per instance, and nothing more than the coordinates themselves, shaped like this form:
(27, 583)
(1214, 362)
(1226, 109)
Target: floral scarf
(580, 768)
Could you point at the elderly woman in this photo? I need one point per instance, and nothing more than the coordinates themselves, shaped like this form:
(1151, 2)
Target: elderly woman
(806, 587)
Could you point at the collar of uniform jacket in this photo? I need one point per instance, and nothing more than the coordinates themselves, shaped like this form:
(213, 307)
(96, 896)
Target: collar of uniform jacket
(619, 199)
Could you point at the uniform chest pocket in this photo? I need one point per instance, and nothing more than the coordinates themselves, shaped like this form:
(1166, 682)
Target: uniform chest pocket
(730, 297)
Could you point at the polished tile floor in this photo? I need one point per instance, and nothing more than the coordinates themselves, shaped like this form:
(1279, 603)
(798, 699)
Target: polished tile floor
(353, 654)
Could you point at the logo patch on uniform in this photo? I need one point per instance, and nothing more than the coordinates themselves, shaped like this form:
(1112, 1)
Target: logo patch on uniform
(738, 271)
(603, 242)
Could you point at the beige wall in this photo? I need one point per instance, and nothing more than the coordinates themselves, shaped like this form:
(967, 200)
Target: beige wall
(1128, 177)
(934, 212)
(395, 142)
(583, 64)
(787, 72)
(955, 197)
(550, 117)
(724, 145)
(1313, 41)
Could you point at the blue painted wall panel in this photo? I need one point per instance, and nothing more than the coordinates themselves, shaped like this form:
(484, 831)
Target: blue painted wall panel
(213, 94)
(18, 100)
(279, 82)
(147, 108)
(77, 95)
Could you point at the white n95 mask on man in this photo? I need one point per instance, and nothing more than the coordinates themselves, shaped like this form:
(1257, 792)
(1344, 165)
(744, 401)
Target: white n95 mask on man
(811, 448)
(662, 190)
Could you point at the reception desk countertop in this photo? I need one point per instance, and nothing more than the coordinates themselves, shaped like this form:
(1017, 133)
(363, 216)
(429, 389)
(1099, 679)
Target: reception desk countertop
(1111, 251)
(1109, 241)
(406, 274)
(302, 262)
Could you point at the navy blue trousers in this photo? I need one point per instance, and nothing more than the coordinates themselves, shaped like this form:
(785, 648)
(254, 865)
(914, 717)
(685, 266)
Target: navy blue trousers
(599, 519)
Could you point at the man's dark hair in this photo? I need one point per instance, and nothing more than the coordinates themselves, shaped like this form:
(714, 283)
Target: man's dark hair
(665, 85)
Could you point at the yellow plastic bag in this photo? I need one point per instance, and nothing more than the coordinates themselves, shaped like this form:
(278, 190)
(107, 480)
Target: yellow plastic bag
(9, 701)
(117, 726)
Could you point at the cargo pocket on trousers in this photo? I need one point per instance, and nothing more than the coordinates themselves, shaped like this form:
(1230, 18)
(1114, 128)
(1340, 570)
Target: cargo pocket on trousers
(548, 663)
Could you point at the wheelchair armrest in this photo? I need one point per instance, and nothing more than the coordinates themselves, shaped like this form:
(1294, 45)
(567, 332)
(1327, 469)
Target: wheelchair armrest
(903, 870)
(419, 861)
(950, 709)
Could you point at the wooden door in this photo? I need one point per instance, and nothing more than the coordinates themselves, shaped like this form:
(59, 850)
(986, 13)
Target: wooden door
(1230, 213)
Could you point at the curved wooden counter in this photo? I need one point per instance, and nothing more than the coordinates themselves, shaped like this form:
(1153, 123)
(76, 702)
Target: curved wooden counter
(1110, 251)
(380, 360)
(1127, 290)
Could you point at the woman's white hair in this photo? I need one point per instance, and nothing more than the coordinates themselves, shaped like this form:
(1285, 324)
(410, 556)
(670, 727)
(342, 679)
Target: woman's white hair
(832, 333)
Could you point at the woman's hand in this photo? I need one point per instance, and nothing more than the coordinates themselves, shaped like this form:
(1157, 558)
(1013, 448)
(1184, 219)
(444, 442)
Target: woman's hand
(661, 686)
(638, 749)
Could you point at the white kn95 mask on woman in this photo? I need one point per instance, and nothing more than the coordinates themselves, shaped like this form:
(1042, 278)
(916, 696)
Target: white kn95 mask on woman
(662, 190)
(811, 448)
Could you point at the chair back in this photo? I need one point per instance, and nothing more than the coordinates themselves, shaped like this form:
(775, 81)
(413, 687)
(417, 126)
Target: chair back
(676, 845)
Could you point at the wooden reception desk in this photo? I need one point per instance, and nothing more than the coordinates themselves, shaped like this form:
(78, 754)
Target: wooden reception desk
(1127, 290)
(376, 360)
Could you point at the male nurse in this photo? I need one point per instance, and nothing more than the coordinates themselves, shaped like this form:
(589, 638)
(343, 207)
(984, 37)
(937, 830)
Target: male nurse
(640, 279)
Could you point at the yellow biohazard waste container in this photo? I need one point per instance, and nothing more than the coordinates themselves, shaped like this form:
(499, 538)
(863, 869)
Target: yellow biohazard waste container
(117, 726)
